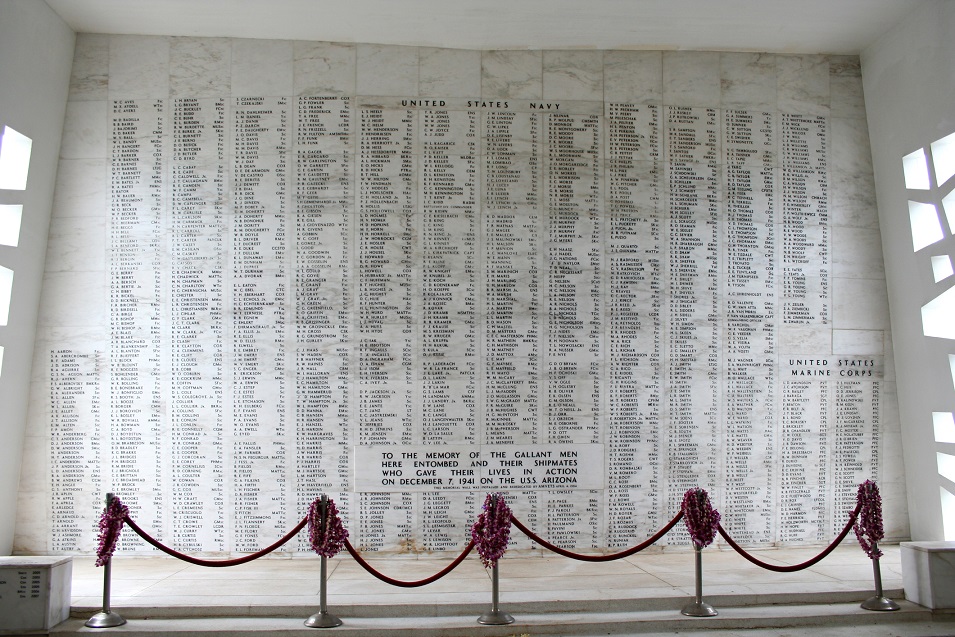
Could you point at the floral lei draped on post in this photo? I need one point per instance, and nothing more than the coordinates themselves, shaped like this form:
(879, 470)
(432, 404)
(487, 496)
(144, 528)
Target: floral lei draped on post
(492, 530)
(868, 526)
(700, 517)
(329, 539)
(110, 524)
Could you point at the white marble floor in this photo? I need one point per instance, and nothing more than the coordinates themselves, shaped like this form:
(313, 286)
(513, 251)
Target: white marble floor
(548, 595)
(547, 582)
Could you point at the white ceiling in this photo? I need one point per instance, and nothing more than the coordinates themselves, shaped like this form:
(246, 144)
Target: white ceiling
(794, 26)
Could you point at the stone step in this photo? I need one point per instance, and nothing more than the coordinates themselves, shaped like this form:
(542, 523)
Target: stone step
(441, 609)
(577, 623)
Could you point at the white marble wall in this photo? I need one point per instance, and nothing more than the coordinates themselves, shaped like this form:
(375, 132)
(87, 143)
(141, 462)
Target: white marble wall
(80, 343)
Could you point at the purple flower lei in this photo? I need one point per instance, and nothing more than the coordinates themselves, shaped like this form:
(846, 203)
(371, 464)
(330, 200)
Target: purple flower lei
(492, 530)
(327, 540)
(868, 526)
(700, 517)
(110, 524)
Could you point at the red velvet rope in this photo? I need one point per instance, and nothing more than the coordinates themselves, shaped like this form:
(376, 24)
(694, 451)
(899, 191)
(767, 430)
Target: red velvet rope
(234, 562)
(597, 558)
(397, 582)
(467, 550)
(794, 567)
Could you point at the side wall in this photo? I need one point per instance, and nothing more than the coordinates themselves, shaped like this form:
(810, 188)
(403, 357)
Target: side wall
(36, 53)
(909, 82)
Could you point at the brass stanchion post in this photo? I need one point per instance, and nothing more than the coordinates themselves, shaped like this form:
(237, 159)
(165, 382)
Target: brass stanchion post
(878, 601)
(699, 608)
(495, 617)
(323, 619)
(106, 618)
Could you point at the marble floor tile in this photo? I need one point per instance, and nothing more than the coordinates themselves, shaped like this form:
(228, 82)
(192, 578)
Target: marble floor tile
(157, 582)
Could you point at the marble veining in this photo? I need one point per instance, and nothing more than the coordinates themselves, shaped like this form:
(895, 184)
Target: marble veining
(449, 72)
(512, 74)
(387, 70)
(261, 67)
(691, 78)
(88, 80)
(138, 67)
(573, 75)
(324, 68)
(748, 80)
(200, 67)
(633, 76)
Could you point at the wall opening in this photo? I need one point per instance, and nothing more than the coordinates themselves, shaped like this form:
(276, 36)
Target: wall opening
(10, 217)
(15, 149)
(926, 228)
(915, 169)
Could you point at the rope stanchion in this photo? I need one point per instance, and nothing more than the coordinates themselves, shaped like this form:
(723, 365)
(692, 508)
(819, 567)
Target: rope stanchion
(869, 532)
(491, 534)
(110, 526)
(794, 567)
(491, 541)
(702, 521)
(319, 537)
(404, 584)
(878, 601)
(200, 562)
(597, 558)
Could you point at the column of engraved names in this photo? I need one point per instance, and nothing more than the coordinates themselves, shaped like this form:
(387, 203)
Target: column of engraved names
(324, 217)
(74, 455)
(573, 318)
(511, 253)
(634, 325)
(856, 439)
(448, 199)
(137, 449)
(806, 482)
(805, 257)
(448, 203)
(750, 315)
(259, 280)
(196, 225)
(692, 152)
(384, 316)
(804, 474)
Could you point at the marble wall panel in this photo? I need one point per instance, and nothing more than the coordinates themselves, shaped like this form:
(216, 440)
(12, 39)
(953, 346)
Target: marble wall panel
(84, 130)
(80, 188)
(293, 248)
(513, 74)
(90, 76)
(449, 72)
(323, 68)
(573, 75)
(74, 298)
(79, 244)
(691, 78)
(387, 70)
(748, 80)
(138, 67)
(262, 67)
(857, 253)
(634, 77)
(200, 67)
(803, 84)
(860, 304)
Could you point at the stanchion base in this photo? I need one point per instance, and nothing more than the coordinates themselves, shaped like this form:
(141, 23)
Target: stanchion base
(495, 618)
(105, 620)
(323, 620)
(699, 609)
(879, 603)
